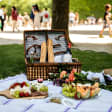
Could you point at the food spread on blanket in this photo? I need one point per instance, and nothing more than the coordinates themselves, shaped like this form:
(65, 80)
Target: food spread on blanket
(24, 89)
(72, 87)
(69, 82)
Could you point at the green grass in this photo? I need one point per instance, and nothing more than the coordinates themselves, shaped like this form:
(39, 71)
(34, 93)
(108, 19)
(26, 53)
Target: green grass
(12, 60)
(93, 61)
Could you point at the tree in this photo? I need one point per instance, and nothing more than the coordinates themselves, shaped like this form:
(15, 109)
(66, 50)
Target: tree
(60, 14)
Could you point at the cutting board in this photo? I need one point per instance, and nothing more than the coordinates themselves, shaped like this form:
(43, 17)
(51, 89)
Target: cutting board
(6, 93)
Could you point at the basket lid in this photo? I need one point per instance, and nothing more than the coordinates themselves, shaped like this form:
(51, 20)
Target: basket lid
(33, 40)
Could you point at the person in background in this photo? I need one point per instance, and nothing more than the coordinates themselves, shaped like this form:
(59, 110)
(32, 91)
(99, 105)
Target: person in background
(6, 22)
(20, 20)
(85, 22)
(46, 17)
(26, 19)
(36, 18)
(41, 17)
(10, 21)
(107, 16)
(99, 21)
(82, 21)
(71, 18)
(32, 14)
(76, 19)
(50, 22)
(2, 16)
(14, 15)
(91, 20)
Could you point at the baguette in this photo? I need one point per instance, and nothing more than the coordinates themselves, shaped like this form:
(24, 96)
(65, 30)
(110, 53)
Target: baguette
(50, 51)
(43, 52)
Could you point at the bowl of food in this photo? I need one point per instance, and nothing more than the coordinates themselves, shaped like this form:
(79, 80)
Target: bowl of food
(81, 91)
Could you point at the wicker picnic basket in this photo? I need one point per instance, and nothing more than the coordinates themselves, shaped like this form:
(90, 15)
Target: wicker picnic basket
(33, 41)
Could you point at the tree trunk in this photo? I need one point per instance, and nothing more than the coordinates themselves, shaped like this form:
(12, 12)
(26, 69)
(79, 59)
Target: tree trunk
(60, 14)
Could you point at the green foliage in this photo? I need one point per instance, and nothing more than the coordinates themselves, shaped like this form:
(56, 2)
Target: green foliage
(89, 7)
(107, 87)
(81, 78)
(25, 5)
(84, 7)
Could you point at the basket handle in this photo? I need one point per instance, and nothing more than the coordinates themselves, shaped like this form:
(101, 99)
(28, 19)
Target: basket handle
(31, 36)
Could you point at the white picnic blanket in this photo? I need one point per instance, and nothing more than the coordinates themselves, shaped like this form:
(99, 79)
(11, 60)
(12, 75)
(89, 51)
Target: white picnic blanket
(101, 103)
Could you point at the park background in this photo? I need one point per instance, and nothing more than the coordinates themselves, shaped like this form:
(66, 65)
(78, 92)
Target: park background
(85, 8)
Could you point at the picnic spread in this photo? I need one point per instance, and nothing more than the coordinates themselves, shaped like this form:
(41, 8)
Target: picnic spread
(54, 81)
(100, 103)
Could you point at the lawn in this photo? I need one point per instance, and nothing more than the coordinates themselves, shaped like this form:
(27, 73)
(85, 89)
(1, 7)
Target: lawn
(12, 60)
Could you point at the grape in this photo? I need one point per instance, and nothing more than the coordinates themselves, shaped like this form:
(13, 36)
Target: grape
(72, 94)
(73, 89)
(54, 82)
(16, 94)
(64, 89)
(69, 90)
(44, 89)
(70, 87)
(27, 85)
(66, 94)
(34, 88)
(64, 85)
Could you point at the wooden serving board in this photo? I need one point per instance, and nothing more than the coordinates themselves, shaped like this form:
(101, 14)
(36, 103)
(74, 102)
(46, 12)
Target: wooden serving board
(6, 93)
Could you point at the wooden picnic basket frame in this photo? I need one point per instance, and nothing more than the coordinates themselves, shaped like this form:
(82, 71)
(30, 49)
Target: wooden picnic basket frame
(42, 70)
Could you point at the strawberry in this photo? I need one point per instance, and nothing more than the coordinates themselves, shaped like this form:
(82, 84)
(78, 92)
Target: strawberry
(14, 85)
(23, 84)
(21, 94)
(11, 87)
(26, 94)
